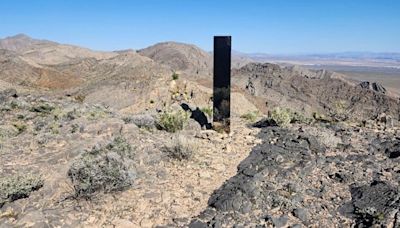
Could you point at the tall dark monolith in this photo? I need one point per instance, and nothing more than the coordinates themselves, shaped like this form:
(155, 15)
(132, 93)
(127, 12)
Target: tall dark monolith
(222, 83)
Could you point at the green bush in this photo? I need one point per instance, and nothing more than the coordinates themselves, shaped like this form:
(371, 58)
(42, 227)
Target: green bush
(250, 116)
(180, 148)
(18, 186)
(282, 117)
(106, 169)
(20, 126)
(172, 121)
(300, 118)
(175, 76)
(207, 110)
(97, 113)
(42, 108)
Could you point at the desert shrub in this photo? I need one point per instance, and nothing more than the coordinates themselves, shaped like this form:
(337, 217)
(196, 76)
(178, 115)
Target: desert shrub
(340, 106)
(7, 132)
(300, 118)
(58, 113)
(74, 128)
(143, 121)
(71, 115)
(54, 128)
(106, 169)
(175, 76)
(172, 121)
(21, 127)
(42, 108)
(80, 98)
(321, 117)
(207, 110)
(340, 110)
(250, 116)
(18, 186)
(180, 148)
(282, 117)
(97, 113)
(14, 105)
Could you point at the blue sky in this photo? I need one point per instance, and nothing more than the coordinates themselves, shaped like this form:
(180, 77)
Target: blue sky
(268, 26)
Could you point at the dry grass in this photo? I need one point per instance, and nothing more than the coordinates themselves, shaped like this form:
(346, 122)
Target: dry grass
(181, 148)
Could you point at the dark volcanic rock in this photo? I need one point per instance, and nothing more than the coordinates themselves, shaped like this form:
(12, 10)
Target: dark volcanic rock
(246, 198)
(292, 180)
(377, 87)
(266, 122)
(244, 192)
(391, 148)
(377, 203)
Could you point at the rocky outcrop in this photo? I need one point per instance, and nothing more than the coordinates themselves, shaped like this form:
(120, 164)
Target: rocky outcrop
(180, 57)
(295, 179)
(374, 86)
(376, 204)
(310, 92)
(249, 198)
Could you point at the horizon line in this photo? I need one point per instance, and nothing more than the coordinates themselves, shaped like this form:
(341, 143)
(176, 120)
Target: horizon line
(282, 54)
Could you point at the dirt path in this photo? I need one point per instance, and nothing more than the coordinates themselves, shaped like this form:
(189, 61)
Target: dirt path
(176, 191)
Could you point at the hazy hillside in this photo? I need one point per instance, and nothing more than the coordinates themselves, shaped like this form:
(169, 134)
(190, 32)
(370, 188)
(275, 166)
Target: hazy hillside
(180, 57)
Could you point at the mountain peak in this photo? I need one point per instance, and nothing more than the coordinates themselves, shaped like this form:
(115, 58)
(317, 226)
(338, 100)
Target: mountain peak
(20, 36)
(21, 42)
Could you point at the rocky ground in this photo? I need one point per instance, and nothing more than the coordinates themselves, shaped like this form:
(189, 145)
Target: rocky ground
(319, 174)
(43, 136)
(293, 178)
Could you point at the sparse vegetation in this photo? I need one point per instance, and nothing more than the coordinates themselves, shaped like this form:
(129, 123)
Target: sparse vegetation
(7, 132)
(18, 186)
(106, 169)
(55, 128)
(175, 76)
(57, 113)
(142, 121)
(250, 116)
(43, 108)
(74, 128)
(180, 148)
(96, 114)
(80, 98)
(320, 117)
(14, 105)
(172, 121)
(300, 118)
(207, 110)
(340, 106)
(340, 110)
(282, 117)
(21, 127)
